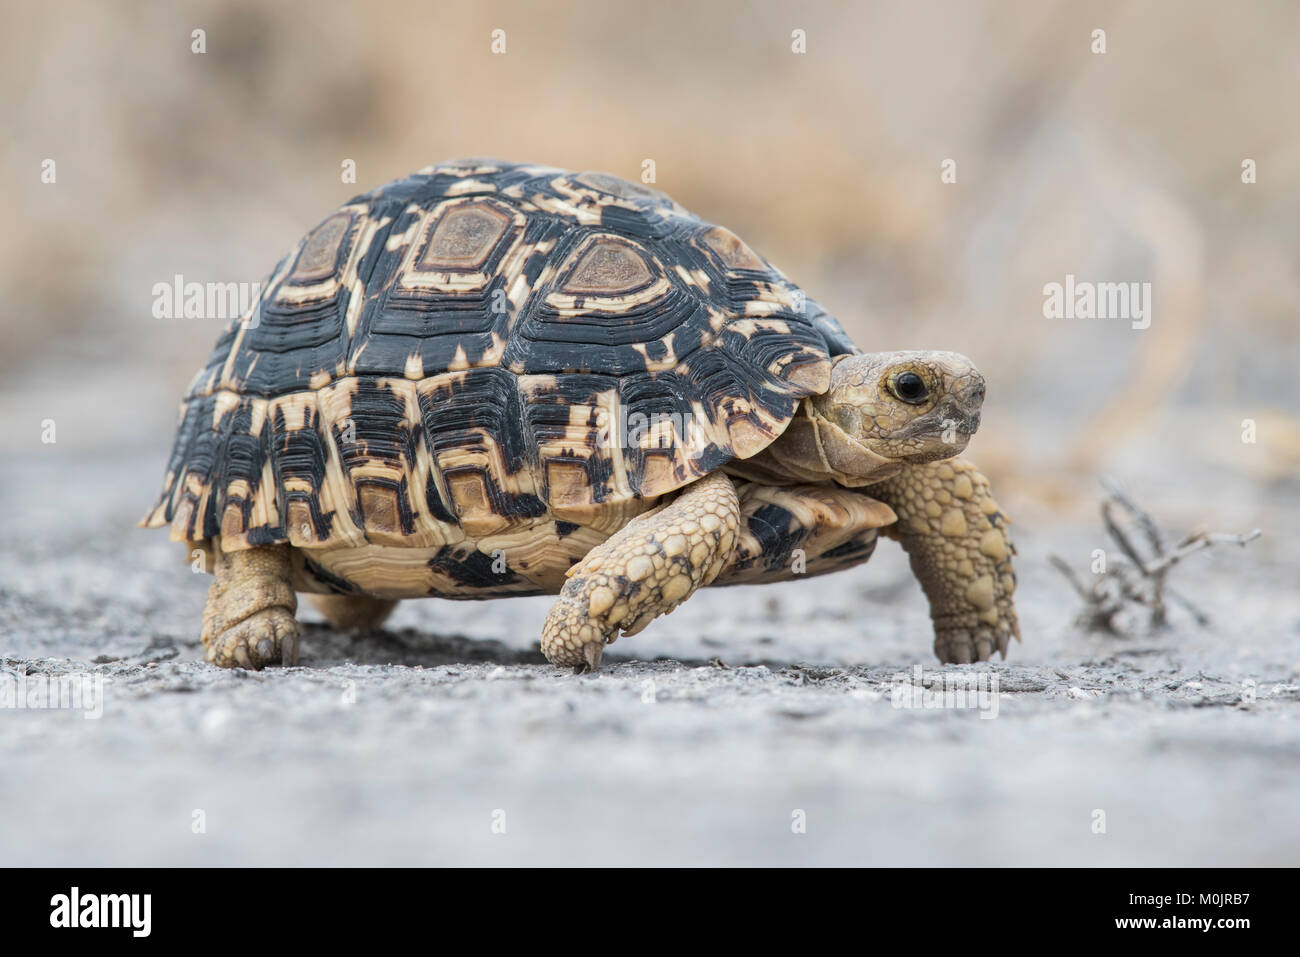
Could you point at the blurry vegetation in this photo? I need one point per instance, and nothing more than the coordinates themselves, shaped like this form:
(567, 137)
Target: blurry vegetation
(1119, 167)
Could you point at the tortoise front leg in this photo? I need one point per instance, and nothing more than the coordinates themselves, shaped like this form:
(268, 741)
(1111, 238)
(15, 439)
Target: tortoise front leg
(956, 538)
(650, 567)
(248, 621)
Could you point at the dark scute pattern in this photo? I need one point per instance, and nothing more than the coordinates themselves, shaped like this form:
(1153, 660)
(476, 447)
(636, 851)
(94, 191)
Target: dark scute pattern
(290, 343)
(410, 319)
(778, 533)
(470, 567)
(721, 377)
(599, 342)
(236, 455)
(636, 223)
(410, 326)
(375, 433)
(483, 402)
(855, 550)
(300, 454)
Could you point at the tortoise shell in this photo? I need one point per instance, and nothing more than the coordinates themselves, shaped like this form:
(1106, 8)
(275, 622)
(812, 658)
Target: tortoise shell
(457, 348)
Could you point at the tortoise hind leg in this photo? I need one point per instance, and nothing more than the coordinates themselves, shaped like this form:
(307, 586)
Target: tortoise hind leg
(650, 567)
(354, 612)
(248, 621)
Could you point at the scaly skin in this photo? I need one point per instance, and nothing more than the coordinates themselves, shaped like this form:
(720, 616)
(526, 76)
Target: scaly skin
(248, 621)
(354, 612)
(956, 539)
(829, 528)
(646, 570)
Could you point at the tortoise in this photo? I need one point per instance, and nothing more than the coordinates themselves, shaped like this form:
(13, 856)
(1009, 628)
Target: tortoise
(492, 379)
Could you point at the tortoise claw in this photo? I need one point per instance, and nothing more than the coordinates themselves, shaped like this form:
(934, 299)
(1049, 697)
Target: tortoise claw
(591, 653)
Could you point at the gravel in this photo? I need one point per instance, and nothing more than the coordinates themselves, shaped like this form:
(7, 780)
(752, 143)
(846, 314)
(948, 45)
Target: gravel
(752, 726)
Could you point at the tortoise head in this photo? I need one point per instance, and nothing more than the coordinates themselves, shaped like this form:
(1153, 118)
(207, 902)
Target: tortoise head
(890, 408)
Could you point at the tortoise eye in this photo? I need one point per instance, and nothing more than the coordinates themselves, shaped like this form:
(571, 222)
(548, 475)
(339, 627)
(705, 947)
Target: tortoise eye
(909, 387)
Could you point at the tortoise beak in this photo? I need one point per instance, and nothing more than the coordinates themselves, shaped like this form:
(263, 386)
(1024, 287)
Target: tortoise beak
(965, 405)
(956, 412)
(968, 423)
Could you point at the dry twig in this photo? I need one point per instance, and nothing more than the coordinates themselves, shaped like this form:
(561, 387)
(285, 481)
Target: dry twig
(1141, 579)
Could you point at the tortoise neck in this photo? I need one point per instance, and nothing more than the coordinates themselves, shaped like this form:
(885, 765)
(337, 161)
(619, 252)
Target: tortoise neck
(812, 450)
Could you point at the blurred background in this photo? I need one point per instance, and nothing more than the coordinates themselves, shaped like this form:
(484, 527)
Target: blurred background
(1123, 166)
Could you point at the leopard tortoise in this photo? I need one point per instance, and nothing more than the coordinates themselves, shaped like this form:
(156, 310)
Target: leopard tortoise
(491, 379)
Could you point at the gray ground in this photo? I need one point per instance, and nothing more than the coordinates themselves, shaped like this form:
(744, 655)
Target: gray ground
(696, 744)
